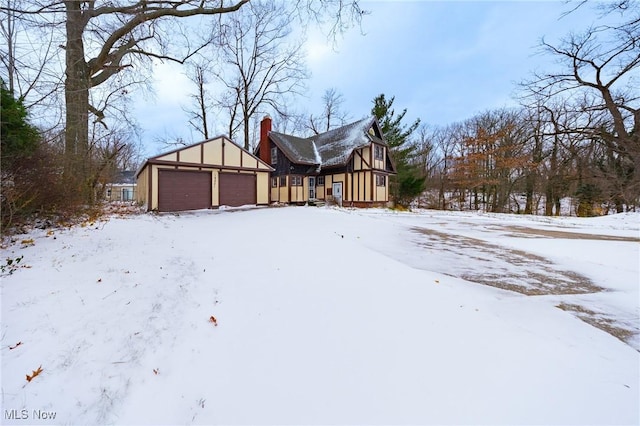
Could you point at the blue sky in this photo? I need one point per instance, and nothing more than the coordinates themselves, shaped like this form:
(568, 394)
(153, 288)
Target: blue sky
(444, 61)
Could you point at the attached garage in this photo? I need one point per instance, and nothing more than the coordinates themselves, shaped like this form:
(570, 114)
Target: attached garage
(209, 174)
(237, 189)
(183, 190)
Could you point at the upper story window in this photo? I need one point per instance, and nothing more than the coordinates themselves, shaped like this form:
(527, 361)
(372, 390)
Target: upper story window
(379, 152)
(274, 155)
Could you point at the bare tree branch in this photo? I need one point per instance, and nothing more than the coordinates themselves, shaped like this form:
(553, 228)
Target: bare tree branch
(263, 67)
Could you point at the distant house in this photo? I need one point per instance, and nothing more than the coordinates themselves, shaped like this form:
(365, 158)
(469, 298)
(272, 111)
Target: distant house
(123, 187)
(209, 174)
(350, 165)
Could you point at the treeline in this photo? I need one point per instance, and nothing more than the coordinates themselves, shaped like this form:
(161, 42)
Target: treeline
(576, 134)
(523, 161)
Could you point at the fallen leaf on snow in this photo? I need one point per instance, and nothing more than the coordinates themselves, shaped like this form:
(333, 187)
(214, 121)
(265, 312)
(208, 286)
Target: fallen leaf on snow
(34, 373)
(15, 346)
(213, 320)
(27, 243)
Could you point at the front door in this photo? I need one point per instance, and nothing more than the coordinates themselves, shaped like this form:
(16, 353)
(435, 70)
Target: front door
(337, 192)
(312, 187)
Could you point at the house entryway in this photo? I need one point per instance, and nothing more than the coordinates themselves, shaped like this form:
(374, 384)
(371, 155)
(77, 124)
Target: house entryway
(337, 192)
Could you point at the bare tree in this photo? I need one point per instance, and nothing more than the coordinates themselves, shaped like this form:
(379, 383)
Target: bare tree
(332, 115)
(290, 121)
(8, 56)
(28, 56)
(112, 34)
(599, 80)
(264, 66)
(428, 154)
(198, 113)
(113, 151)
(103, 38)
(445, 143)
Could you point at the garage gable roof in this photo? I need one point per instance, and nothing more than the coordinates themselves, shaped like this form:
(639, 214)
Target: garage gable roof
(165, 157)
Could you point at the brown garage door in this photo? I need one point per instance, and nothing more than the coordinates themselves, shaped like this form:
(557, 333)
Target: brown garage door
(183, 190)
(237, 189)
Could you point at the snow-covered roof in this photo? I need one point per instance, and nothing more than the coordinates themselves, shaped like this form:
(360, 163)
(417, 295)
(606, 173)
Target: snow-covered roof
(297, 149)
(329, 149)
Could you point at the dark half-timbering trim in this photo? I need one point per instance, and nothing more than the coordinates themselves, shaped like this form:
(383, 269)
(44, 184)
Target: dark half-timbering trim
(359, 154)
(203, 166)
(149, 189)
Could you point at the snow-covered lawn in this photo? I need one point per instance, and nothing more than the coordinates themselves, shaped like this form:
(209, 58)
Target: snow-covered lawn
(324, 316)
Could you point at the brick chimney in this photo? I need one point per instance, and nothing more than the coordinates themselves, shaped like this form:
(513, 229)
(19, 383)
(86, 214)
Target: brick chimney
(265, 150)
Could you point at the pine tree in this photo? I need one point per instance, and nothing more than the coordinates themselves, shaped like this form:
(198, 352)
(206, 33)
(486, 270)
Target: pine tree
(18, 138)
(410, 181)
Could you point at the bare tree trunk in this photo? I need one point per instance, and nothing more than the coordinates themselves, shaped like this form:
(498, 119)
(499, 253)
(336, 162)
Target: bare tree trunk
(532, 173)
(8, 32)
(245, 128)
(442, 199)
(552, 179)
(200, 81)
(77, 85)
(198, 111)
(529, 187)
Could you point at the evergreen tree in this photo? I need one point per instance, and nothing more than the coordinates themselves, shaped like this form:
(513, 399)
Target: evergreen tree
(19, 139)
(410, 181)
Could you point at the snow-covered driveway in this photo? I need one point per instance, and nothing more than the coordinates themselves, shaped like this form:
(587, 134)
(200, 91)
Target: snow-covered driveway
(587, 266)
(323, 316)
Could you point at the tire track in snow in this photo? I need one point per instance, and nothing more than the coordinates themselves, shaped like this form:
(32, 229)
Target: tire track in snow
(508, 269)
(518, 271)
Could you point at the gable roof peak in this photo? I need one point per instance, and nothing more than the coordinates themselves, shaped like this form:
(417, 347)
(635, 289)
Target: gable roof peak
(362, 123)
(331, 148)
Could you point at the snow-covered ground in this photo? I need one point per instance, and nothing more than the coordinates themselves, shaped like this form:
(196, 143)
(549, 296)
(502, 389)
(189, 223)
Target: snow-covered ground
(324, 316)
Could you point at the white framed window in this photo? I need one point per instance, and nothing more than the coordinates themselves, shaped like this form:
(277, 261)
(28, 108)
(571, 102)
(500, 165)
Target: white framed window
(296, 180)
(274, 155)
(274, 182)
(381, 180)
(320, 181)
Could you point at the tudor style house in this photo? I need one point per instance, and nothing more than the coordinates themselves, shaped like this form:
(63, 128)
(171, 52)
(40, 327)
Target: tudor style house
(350, 165)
